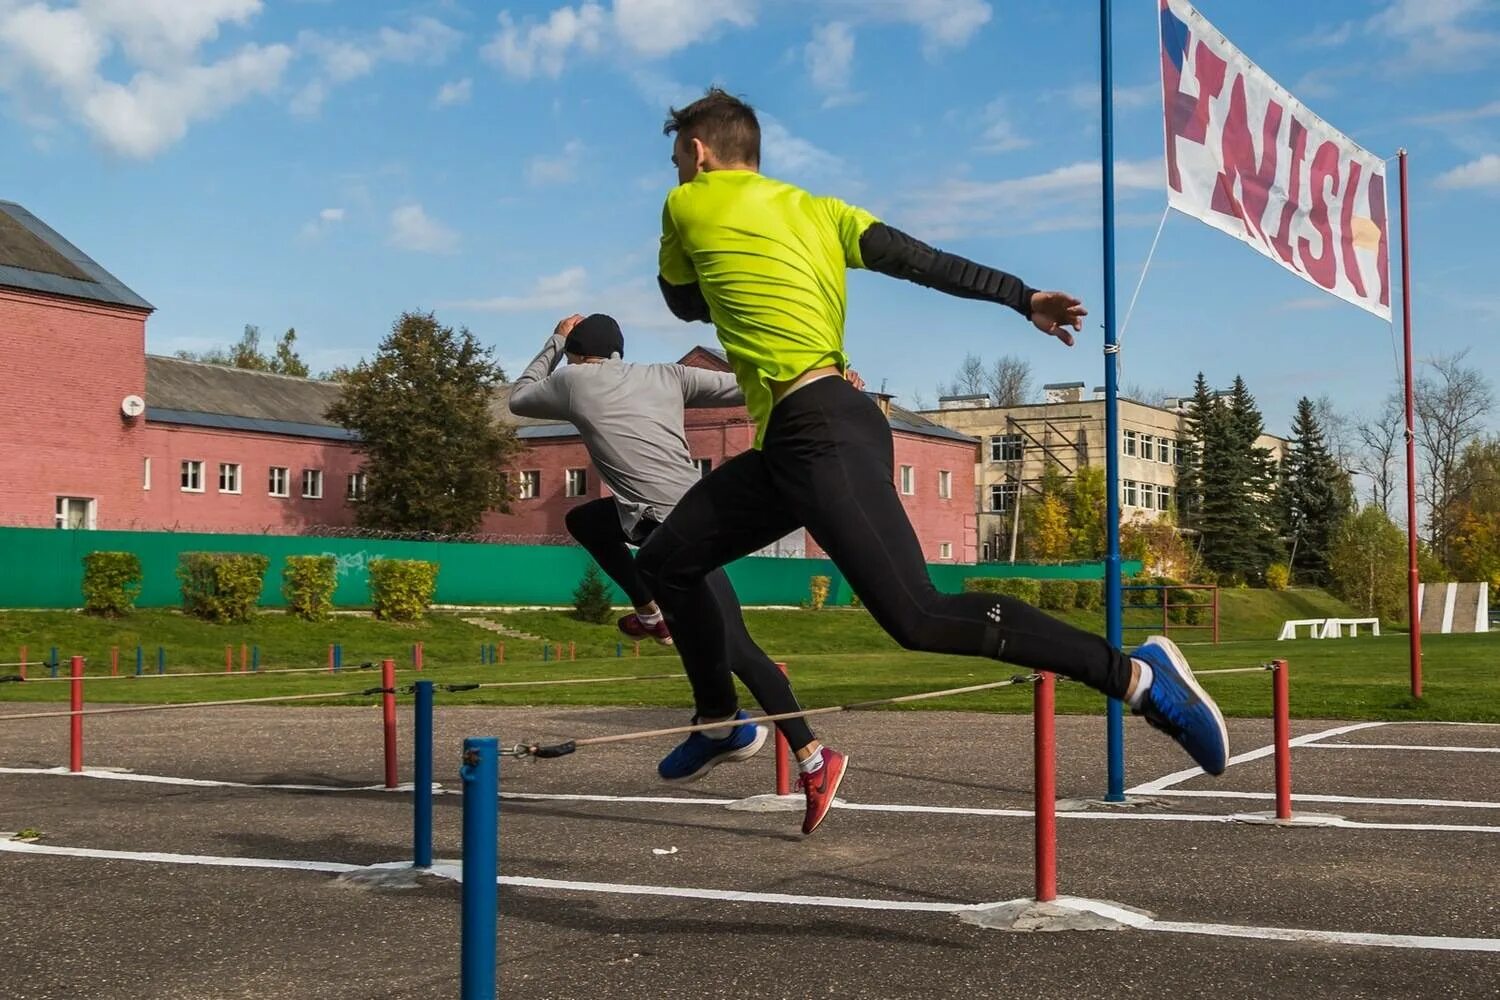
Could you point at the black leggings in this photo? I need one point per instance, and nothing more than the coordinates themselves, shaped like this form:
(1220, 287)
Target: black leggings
(596, 526)
(827, 464)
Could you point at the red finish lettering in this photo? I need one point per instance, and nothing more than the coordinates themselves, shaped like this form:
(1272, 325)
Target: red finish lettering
(1383, 252)
(1322, 267)
(1254, 182)
(1346, 236)
(1187, 115)
(1282, 241)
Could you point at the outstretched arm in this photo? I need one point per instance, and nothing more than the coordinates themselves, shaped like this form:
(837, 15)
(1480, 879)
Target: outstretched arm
(536, 393)
(702, 388)
(889, 251)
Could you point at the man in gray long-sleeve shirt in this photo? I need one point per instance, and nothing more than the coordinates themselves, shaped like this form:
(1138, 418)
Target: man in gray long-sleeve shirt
(631, 420)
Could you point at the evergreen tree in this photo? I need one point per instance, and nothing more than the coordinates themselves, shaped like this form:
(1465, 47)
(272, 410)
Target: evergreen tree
(1314, 496)
(1200, 412)
(435, 455)
(591, 601)
(1237, 522)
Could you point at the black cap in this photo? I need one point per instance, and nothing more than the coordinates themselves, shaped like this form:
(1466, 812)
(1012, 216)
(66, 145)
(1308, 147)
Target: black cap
(598, 336)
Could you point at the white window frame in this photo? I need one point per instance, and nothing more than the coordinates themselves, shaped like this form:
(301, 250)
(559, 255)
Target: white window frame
(945, 550)
(1008, 491)
(529, 484)
(1164, 498)
(1131, 497)
(945, 484)
(62, 510)
(1165, 447)
(236, 477)
(1131, 445)
(146, 474)
(1148, 447)
(286, 481)
(1148, 496)
(907, 478)
(705, 466)
(576, 484)
(312, 478)
(1007, 448)
(355, 486)
(191, 468)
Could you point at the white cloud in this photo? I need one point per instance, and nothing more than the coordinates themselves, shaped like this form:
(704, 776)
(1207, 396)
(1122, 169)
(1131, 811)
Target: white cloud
(1438, 34)
(542, 49)
(59, 59)
(1481, 173)
(655, 28)
(944, 24)
(552, 292)
(455, 92)
(344, 59)
(326, 220)
(829, 57)
(1460, 115)
(557, 169)
(786, 155)
(1085, 96)
(1000, 135)
(413, 229)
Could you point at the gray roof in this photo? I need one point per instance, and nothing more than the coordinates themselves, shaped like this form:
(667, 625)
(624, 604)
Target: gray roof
(35, 258)
(204, 395)
(902, 419)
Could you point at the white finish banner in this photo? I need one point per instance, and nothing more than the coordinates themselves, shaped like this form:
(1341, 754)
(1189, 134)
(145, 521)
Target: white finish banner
(1249, 159)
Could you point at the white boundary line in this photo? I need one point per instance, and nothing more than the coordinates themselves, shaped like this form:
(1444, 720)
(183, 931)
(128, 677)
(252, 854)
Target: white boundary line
(1209, 793)
(1398, 746)
(1178, 777)
(1131, 918)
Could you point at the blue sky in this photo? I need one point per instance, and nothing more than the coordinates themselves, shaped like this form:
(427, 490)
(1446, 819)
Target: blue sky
(326, 164)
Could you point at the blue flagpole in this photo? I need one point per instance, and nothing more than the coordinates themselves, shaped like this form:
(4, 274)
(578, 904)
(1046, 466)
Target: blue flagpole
(1115, 724)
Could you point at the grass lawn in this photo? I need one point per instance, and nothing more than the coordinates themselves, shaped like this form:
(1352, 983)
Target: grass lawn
(835, 657)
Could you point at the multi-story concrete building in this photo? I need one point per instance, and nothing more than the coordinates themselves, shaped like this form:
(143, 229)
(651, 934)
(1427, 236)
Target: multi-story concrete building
(1066, 430)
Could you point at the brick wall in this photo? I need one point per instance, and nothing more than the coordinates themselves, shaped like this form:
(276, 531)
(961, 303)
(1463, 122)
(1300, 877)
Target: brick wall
(67, 365)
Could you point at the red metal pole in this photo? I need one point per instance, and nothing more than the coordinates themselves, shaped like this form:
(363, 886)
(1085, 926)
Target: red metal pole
(1216, 616)
(783, 757)
(229, 659)
(330, 657)
(502, 652)
(114, 661)
(1281, 723)
(244, 658)
(1045, 779)
(23, 663)
(419, 657)
(1413, 578)
(572, 652)
(75, 721)
(388, 718)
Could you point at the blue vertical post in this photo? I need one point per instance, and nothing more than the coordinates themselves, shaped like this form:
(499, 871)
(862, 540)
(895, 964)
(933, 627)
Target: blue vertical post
(53, 662)
(1115, 718)
(619, 649)
(161, 659)
(338, 656)
(140, 660)
(254, 658)
(546, 651)
(480, 774)
(421, 792)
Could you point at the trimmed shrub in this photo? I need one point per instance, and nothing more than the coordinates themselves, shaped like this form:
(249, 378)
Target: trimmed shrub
(818, 592)
(1089, 595)
(1029, 591)
(401, 589)
(1058, 595)
(111, 583)
(591, 601)
(222, 586)
(1278, 576)
(307, 584)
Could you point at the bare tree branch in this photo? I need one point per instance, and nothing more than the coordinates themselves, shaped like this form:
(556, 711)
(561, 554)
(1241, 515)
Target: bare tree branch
(1452, 401)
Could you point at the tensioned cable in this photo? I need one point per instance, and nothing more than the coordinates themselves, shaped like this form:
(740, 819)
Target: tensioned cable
(556, 682)
(197, 704)
(206, 673)
(1141, 281)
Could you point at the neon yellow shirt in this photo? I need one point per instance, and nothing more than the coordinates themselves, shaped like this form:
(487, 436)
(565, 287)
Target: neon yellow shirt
(770, 260)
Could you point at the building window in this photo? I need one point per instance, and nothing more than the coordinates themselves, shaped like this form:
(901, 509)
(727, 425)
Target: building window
(908, 480)
(1164, 498)
(578, 482)
(1006, 448)
(356, 489)
(705, 466)
(1165, 449)
(229, 477)
(1148, 496)
(1131, 496)
(75, 512)
(529, 486)
(1131, 442)
(146, 475)
(1148, 448)
(945, 550)
(312, 484)
(192, 476)
(1178, 457)
(1002, 495)
(945, 484)
(280, 484)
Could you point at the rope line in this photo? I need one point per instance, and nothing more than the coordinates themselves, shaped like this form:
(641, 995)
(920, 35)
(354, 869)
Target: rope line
(204, 673)
(550, 683)
(1140, 282)
(195, 704)
(569, 746)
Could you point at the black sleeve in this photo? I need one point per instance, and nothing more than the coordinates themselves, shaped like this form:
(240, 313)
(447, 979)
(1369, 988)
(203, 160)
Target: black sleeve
(894, 253)
(686, 301)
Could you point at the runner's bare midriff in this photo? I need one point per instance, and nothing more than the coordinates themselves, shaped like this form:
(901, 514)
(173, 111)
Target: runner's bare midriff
(781, 390)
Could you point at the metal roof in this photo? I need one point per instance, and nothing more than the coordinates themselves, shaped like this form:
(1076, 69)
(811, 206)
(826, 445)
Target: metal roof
(34, 257)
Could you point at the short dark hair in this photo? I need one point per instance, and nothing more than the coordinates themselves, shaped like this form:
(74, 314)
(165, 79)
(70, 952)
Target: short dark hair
(722, 122)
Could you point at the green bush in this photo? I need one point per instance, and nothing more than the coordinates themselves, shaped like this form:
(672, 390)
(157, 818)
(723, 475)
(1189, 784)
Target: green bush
(401, 589)
(818, 592)
(111, 583)
(1278, 576)
(1089, 595)
(307, 584)
(221, 586)
(591, 601)
(1058, 595)
(1029, 591)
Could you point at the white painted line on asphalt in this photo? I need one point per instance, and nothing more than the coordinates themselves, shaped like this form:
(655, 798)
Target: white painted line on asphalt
(1399, 746)
(1198, 793)
(166, 858)
(1177, 777)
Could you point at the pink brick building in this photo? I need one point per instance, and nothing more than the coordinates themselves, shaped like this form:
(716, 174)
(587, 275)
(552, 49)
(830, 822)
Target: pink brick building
(97, 434)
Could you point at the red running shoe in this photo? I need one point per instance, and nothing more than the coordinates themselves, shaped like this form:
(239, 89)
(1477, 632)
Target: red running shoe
(632, 626)
(821, 786)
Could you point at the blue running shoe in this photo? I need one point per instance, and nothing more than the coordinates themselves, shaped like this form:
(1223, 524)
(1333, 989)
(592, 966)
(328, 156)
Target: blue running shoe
(1177, 706)
(697, 755)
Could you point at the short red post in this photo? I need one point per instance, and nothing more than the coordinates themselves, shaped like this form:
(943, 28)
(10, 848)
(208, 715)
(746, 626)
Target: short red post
(502, 652)
(114, 661)
(1281, 722)
(228, 659)
(330, 658)
(388, 718)
(1045, 779)
(23, 663)
(244, 658)
(572, 651)
(783, 757)
(75, 721)
(419, 657)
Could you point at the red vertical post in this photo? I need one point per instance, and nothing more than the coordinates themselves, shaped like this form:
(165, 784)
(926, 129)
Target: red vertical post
(1216, 616)
(419, 657)
(75, 721)
(114, 661)
(23, 663)
(783, 757)
(502, 652)
(572, 651)
(229, 659)
(1281, 723)
(244, 658)
(330, 657)
(1413, 577)
(1044, 742)
(388, 718)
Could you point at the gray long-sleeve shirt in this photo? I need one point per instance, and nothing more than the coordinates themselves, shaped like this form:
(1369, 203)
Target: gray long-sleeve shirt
(631, 420)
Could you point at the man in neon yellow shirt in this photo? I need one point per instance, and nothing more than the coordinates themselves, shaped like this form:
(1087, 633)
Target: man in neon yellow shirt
(765, 262)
